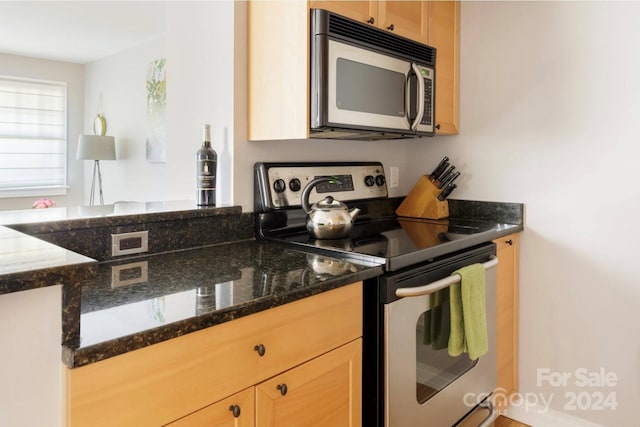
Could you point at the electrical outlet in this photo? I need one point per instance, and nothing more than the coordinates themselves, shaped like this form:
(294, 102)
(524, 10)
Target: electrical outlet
(394, 177)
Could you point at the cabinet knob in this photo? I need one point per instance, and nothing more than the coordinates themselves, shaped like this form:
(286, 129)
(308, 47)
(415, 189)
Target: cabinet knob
(371, 20)
(391, 27)
(235, 409)
(509, 242)
(282, 388)
(260, 348)
(438, 126)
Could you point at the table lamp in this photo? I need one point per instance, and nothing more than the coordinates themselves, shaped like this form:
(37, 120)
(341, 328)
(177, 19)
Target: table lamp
(96, 148)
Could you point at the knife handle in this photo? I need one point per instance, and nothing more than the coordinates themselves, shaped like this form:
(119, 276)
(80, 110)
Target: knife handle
(445, 176)
(445, 193)
(438, 169)
(450, 179)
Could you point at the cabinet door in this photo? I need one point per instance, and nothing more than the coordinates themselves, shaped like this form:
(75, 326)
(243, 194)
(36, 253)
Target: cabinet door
(444, 35)
(324, 392)
(409, 19)
(235, 411)
(278, 70)
(362, 11)
(507, 318)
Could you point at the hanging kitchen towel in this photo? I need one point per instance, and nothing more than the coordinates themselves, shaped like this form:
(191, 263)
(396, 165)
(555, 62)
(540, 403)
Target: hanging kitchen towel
(436, 320)
(440, 319)
(468, 313)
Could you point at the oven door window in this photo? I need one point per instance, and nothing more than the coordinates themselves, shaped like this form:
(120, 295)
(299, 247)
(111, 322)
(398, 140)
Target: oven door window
(435, 369)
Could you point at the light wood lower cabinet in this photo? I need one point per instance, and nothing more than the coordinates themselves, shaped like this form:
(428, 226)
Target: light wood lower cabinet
(235, 411)
(325, 392)
(507, 318)
(164, 382)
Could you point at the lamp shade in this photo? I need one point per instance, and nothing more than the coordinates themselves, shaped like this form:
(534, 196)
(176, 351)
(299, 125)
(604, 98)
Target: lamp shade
(96, 147)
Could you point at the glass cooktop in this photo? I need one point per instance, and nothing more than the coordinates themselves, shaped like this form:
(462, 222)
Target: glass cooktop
(397, 242)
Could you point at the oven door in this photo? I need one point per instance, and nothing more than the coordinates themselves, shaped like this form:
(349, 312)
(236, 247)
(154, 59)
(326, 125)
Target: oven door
(424, 385)
(366, 89)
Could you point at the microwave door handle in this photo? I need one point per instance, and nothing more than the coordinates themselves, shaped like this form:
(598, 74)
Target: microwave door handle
(439, 284)
(420, 97)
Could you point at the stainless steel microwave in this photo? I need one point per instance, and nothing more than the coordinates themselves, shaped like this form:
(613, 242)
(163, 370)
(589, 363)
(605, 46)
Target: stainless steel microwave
(367, 83)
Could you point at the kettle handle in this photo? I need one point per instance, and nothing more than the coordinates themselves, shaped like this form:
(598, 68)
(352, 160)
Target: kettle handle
(307, 190)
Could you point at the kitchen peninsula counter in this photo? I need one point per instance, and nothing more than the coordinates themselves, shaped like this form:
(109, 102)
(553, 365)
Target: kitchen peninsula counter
(46, 247)
(142, 301)
(204, 268)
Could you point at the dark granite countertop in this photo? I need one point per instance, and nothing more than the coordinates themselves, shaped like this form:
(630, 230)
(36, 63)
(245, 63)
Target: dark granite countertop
(188, 281)
(29, 263)
(146, 300)
(31, 255)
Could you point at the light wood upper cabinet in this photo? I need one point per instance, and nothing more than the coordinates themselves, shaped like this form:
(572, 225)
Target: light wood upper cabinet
(405, 18)
(361, 11)
(409, 19)
(279, 54)
(507, 317)
(278, 70)
(444, 35)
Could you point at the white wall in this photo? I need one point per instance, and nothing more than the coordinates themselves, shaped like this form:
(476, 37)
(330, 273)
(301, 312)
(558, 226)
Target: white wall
(199, 90)
(120, 79)
(198, 46)
(549, 117)
(73, 74)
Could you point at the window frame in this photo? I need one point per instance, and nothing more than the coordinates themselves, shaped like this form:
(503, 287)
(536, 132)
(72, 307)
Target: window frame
(44, 190)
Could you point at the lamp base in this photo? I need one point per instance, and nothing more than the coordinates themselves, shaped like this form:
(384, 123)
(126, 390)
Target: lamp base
(96, 172)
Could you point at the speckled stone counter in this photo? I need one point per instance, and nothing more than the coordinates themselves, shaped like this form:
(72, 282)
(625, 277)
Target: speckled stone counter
(146, 300)
(170, 225)
(204, 267)
(30, 263)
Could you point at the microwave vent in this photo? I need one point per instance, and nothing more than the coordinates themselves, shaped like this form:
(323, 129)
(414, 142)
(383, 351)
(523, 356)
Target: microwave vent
(366, 34)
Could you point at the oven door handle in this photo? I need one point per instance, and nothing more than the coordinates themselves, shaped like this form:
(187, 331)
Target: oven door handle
(493, 414)
(439, 284)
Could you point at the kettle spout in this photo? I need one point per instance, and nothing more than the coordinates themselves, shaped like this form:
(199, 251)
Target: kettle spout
(353, 213)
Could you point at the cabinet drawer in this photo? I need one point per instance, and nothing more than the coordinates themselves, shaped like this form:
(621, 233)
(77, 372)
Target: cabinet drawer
(163, 382)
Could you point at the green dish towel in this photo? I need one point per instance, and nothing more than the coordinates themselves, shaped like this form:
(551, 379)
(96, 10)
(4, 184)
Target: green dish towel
(468, 313)
(436, 321)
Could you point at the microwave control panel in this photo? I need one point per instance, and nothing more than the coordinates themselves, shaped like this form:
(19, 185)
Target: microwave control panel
(280, 185)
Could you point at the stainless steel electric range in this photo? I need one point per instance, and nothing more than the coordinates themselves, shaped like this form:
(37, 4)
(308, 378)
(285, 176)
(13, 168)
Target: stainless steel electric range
(409, 379)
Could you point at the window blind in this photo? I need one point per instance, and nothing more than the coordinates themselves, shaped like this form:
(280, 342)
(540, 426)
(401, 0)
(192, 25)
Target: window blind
(33, 137)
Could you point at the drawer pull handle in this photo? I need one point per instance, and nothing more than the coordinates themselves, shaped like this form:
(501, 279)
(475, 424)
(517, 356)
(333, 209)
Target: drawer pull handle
(371, 20)
(260, 349)
(391, 27)
(509, 242)
(282, 388)
(235, 409)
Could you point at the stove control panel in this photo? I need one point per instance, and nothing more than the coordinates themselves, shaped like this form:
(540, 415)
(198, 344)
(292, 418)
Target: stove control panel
(280, 185)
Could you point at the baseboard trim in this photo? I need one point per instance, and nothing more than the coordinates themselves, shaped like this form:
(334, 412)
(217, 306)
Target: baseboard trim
(536, 416)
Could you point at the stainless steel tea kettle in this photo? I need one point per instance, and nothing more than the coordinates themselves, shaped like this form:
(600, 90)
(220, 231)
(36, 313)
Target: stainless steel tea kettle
(329, 218)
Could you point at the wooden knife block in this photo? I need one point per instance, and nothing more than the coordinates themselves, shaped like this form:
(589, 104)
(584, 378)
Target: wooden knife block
(422, 202)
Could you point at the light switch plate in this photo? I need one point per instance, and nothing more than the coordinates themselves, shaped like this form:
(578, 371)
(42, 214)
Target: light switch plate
(394, 177)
